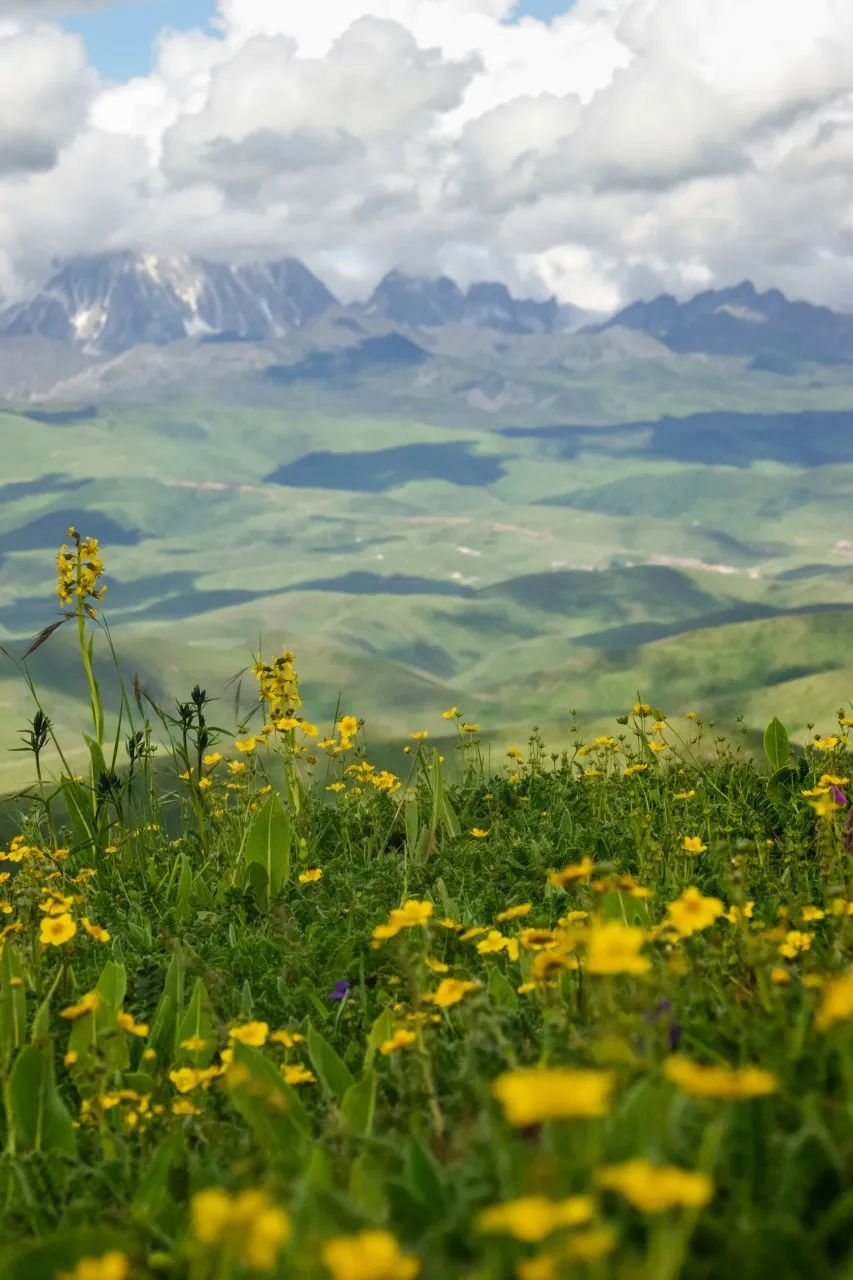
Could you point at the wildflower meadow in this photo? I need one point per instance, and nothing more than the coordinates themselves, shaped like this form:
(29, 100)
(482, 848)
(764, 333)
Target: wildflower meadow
(270, 1007)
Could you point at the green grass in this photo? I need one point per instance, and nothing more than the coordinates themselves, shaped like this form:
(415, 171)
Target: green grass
(185, 908)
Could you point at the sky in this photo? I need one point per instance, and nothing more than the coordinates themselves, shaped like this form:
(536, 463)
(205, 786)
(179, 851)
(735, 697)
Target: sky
(602, 150)
(120, 39)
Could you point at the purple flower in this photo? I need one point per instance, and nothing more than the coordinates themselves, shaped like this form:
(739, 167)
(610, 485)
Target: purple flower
(341, 988)
(674, 1036)
(838, 796)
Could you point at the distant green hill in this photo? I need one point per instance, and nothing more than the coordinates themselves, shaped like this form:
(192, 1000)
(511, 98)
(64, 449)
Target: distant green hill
(454, 532)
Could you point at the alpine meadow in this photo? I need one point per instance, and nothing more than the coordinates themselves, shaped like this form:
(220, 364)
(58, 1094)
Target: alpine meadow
(426, 599)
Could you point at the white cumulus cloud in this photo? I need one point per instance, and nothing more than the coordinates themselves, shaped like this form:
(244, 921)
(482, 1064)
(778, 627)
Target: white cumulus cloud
(625, 147)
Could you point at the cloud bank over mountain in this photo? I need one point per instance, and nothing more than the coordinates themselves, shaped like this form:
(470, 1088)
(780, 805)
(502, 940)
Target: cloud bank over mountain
(627, 147)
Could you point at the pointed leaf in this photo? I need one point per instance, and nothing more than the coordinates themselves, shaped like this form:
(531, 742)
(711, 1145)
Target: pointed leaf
(38, 1118)
(267, 842)
(333, 1073)
(776, 744)
(358, 1105)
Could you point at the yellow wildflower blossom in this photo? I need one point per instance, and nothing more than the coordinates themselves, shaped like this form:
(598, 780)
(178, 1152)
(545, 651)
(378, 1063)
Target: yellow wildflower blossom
(656, 1188)
(531, 1095)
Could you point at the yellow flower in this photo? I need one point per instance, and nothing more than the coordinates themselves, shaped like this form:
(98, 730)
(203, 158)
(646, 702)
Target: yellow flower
(78, 572)
(656, 1188)
(249, 1224)
(613, 947)
(112, 1265)
(693, 844)
(824, 806)
(532, 1218)
(183, 1107)
(209, 1213)
(288, 1038)
(535, 939)
(514, 913)
(370, 1255)
(657, 746)
(574, 871)
(533, 1094)
(204, 784)
(479, 833)
(812, 913)
(410, 914)
(348, 726)
(236, 766)
(641, 708)
(449, 992)
(195, 1044)
(95, 931)
(635, 768)
(836, 1003)
(86, 1004)
(127, 1023)
(495, 942)
(692, 911)
(336, 786)
(213, 758)
(246, 745)
(736, 914)
(185, 1079)
(450, 714)
(826, 744)
(684, 795)
(400, 1040)
(294, 1073)
(725, 1083)
(514, 753)
(437, 966)
(253, 1033)
(795, 942)
(311, 876)
(420, 735)
(55, 930)
(470, 728)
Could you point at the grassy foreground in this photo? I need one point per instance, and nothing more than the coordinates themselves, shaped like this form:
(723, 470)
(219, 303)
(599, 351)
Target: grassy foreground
(267, 1009)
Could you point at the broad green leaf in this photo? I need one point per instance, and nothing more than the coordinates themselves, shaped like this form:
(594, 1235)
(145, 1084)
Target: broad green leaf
(420, 1175)
(382, 1030)
(271, 1108)
(96, 756)
(267, 842)
(332, 1072)
(196, 1023)
(782, 784)
(501, 990)
(451, 822)
(112, 984)
(410, 812)
(162, 1036)
(78, 803)
(776, 744)
(183, 903)
(358, 1105)
(37, 1117)
(13, 1003)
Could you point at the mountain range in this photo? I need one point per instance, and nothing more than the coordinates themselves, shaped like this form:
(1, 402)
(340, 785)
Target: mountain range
(107, 304)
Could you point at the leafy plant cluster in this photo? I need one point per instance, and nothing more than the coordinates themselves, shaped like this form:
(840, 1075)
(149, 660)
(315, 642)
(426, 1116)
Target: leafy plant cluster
(268, 1009)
